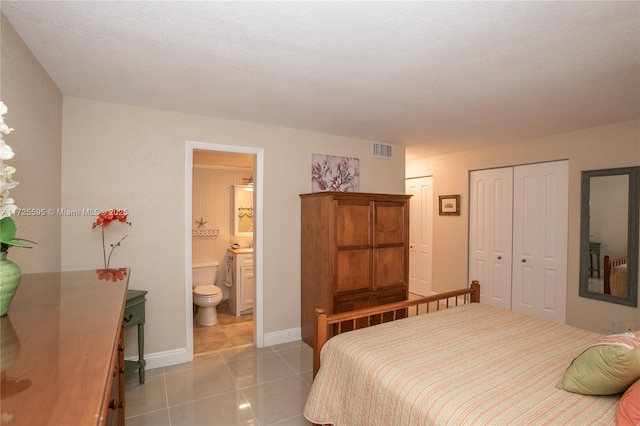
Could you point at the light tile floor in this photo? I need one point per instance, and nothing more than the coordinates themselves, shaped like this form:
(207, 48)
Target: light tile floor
(596, 284)
(231, 331)
(236, 386)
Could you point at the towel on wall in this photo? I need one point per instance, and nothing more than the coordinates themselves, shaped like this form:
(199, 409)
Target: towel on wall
(228, 279)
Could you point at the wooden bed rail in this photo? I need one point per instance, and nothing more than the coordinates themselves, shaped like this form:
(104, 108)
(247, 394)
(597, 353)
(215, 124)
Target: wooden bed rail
(394, 311)
(609, 264)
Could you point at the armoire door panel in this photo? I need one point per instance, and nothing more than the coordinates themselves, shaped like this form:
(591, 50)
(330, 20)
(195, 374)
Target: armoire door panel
(353, 270)
(389, 267)
(390, 223)
(353, 222)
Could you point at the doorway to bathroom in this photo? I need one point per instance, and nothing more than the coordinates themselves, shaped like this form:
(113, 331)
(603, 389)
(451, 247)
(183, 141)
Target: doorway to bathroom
(222, 233)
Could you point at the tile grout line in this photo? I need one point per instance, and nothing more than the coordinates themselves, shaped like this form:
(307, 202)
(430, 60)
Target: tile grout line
(166, 394)
(238, 389)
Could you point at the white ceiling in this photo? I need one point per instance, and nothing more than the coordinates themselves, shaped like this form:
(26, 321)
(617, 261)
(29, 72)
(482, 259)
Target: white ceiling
(434, 76)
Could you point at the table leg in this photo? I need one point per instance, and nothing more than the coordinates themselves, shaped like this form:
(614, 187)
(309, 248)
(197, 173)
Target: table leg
(141, 361)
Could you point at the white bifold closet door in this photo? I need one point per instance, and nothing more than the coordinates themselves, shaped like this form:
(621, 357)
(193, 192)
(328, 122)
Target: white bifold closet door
(518, 237)
(490, 234)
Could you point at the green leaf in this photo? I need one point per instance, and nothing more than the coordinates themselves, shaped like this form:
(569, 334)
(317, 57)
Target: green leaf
(8, 230)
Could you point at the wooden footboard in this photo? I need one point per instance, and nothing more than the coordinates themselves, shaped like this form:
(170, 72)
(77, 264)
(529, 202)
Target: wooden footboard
(347, 321)
(609, 264)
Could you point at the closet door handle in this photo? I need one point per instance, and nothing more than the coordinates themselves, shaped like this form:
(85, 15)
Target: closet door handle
(524, 260)
(499, 257)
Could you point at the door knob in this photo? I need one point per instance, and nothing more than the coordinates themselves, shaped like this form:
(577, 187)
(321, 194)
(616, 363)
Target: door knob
(524, 260)
(499, 257)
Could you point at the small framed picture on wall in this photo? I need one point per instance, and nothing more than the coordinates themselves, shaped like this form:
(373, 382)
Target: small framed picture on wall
(449, 205)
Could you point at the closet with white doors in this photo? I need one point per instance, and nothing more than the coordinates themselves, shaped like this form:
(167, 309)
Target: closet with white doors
(518, 218)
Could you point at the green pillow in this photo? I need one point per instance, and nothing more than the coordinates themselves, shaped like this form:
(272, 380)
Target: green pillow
(602, 370)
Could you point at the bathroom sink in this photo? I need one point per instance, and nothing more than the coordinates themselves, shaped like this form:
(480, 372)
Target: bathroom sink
(242, 250)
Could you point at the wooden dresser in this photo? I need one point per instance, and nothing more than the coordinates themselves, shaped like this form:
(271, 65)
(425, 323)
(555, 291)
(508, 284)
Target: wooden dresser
(62, 351)
(355, 252)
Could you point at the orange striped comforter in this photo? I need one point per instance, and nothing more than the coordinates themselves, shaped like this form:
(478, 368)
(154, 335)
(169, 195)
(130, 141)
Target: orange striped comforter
(470, 365)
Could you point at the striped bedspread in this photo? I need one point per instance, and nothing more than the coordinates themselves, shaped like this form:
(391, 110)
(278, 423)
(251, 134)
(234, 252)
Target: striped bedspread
(469, 365)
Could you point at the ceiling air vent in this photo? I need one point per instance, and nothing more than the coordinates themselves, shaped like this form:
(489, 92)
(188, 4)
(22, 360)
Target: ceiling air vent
(381, 150)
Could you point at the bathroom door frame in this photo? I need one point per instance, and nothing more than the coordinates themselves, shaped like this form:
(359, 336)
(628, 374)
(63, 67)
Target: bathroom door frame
(190, 146)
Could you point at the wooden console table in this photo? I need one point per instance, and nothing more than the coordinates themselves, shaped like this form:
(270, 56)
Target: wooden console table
(134, 315)
(63, 352)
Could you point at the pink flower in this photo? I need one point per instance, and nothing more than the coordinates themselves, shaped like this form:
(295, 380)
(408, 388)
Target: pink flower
(103, 221)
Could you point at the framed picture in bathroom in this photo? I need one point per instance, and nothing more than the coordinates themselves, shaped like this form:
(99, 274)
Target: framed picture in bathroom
(242, 210)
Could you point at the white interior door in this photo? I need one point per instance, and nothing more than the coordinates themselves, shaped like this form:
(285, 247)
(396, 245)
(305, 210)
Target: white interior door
(540, 240)
(490, 229)
(420, 234)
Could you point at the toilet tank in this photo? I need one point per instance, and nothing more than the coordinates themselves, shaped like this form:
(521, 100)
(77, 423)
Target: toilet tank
(204, 273)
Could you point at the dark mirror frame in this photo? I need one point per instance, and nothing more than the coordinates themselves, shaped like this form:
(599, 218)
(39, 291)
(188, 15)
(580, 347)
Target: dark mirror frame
(632, 233)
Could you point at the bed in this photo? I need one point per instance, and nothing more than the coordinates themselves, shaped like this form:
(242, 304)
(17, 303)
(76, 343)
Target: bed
(615, 276)
(442, 368)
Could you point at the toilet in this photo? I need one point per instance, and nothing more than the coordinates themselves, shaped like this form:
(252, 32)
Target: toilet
(206, 296)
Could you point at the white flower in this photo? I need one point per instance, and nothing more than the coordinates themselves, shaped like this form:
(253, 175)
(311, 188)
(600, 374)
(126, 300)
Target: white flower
(6, 186)
(6, 153)
(4, 128)
(6, 181)
(7, 206)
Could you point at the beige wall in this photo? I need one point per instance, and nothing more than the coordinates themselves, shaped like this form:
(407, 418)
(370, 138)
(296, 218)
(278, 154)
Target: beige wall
(117, 156)
(597, 148)
(35, 112)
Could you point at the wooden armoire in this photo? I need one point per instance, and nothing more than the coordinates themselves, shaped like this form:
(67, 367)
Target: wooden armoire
(355, 252)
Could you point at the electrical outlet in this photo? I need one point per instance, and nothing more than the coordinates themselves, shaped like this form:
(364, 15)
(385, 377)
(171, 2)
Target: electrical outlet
(629, 326)
(614, 326)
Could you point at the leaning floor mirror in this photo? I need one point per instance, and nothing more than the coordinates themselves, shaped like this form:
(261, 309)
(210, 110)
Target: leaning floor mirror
(609, 235)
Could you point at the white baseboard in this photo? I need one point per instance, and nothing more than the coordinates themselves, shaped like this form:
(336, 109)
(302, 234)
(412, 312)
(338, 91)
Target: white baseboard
(165, 359)
(180, 356)
(283, 336)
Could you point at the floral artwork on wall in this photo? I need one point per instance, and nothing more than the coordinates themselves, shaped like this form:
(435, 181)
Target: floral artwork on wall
(332, 173)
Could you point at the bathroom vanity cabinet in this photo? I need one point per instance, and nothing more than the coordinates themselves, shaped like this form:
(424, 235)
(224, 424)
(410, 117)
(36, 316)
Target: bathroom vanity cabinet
(242, 292)
(63, 351)
(355, 252)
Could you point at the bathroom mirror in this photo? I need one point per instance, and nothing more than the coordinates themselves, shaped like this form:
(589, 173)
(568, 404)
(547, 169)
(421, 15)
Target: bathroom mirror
(609, 235)
(243, 210)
